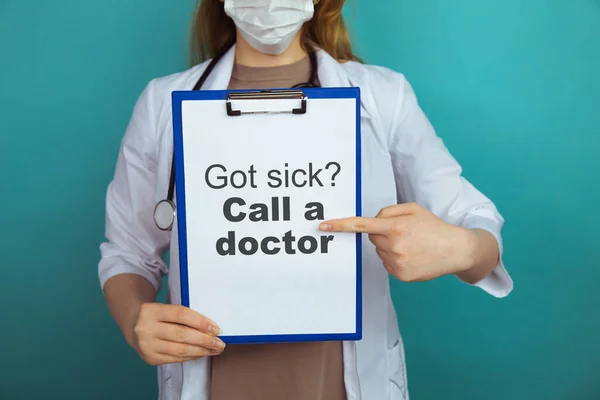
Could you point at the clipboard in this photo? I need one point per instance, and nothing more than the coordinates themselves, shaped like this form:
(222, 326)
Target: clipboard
(255, 174)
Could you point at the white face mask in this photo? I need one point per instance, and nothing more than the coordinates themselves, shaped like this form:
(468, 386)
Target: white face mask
(269, 25)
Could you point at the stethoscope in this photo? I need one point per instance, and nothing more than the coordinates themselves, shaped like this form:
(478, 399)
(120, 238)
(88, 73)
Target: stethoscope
(164, 211)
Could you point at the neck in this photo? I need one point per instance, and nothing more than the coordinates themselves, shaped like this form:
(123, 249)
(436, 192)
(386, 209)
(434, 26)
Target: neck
(249, 56)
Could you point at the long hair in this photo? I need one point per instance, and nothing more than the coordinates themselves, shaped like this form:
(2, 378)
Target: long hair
(213, 32)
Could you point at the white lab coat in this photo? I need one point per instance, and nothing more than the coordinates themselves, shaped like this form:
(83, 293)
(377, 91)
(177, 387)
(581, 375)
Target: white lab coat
(403, 161)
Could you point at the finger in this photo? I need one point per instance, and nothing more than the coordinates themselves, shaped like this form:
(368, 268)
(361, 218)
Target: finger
(385, 257)
(381, 242)
(183, 334)
(183, 351)
(186, 316)
(398, 210)
(382, 255)
(379, 226)
(388, 268)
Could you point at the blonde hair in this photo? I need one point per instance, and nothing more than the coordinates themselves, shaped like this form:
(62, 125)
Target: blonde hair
(213, 32)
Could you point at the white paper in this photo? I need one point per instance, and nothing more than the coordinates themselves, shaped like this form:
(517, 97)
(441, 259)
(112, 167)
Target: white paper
(262, 294)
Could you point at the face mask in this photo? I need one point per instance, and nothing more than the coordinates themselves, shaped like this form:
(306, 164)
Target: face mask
(269, 25)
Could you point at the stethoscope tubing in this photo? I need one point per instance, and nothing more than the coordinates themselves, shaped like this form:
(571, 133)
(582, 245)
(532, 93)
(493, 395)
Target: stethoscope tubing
(164, 211)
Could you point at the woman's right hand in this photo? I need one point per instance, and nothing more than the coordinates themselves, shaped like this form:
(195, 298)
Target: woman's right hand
(167, 334)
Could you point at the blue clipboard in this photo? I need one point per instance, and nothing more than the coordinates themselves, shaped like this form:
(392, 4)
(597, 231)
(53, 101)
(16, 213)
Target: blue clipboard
(178, 98)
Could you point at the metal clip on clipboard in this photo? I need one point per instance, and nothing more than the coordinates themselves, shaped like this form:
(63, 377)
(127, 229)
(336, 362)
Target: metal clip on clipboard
(267, 95)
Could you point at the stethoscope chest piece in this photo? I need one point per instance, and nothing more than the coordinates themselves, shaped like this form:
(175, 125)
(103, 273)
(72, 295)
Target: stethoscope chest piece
(164, 215)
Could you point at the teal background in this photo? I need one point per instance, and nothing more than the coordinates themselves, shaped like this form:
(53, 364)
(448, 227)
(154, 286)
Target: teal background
(512, 87)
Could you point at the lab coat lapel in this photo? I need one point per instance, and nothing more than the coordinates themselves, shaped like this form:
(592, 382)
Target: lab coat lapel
(219, 78)
(333, 74)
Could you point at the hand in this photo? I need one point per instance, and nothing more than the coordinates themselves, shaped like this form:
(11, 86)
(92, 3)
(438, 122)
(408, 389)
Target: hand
(413, 243)
(166, 334)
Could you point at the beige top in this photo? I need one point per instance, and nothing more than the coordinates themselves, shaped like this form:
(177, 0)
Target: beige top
(286, 371)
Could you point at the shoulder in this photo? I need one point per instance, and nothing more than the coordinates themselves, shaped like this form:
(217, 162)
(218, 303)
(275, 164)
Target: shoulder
(152, 110)
(157, 92)
(374, 74)
(183, 80)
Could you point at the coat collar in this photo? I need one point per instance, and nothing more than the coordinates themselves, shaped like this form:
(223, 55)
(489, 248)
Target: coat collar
(331, 74)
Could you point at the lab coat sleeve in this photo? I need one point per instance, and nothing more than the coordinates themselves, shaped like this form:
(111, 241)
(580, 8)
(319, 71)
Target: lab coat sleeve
(426, 173)
(134, 245)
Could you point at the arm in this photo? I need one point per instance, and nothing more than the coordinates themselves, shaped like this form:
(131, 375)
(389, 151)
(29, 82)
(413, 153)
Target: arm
(125, 294)
(484, 256)
(132, 264)
(426, 173)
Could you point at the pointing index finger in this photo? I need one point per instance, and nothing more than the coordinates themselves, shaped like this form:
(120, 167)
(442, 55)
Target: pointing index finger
(377, 226)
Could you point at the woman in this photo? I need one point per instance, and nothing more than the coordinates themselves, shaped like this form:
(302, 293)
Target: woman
(423, 219)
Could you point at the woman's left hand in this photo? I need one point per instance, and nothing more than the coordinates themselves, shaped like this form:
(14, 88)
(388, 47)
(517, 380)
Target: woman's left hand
(413, 243)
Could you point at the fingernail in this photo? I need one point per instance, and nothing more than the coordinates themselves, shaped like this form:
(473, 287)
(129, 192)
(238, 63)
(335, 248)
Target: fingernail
(219, 344)
(325, 227)
(213, 330)
(216, 352)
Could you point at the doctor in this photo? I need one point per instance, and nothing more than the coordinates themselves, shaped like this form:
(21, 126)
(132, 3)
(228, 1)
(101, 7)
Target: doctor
(423, 219)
